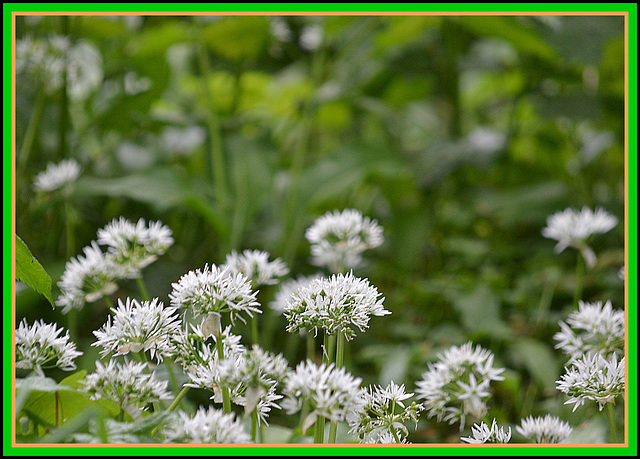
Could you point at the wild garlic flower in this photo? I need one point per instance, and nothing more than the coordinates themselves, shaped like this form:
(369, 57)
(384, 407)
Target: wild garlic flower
(338, 239)
(126, 384)
(593, 377)
(135, 246)
(332, 393)
(214, 291)
(255, 265)
(87, 279)
(384, 415)
(139, 326)
(336, 304)
(572, 229)
(42, 345)
(287, 287)
(481, 433)
(49, 61)
(592, 328)
(458, 384)
(56, 176)
(621, 273)
(548, 429)
(194, 349)
(255, 374)
(207, 425)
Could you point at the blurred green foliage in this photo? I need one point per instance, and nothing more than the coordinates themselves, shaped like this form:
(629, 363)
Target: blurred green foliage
(460, 135)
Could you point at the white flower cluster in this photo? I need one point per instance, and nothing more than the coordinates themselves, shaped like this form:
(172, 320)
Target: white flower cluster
(87, 279)
(42, 346)
(332, 393)
(207, 426)
(215, 290)
(384, 415)
(195, 353)
(255, 265)
(335, 304)
(50, 60)
(592, 328)
(457, 385)
(338, 239)
(482, 433)
(548, 429)
(281, 298)
(126, 384)
(134, 246)
(56, 176)
(139, 326)
(572, 228)
(593, 377)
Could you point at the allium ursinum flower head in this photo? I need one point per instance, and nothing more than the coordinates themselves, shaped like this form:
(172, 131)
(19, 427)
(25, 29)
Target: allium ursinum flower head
(593, 377)
(482, 433)
(621, 273)
(139, 326)
(548, 429)
(49, 61)
(56, 176)
(332, 393)
(207, 425)
(87, 279)
(572, 228)
(214, 291)
(195, 348)
(337, 304)
(254, 374)
(592, 328)
(135, 246)
(338, 239)
(281, 298)
(43, 346)
(384, 415)
(457, 385)
(127, 384)
(255, 265)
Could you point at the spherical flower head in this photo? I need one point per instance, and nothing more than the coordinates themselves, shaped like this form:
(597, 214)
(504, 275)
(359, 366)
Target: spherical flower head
(42, 346)
(384, 415)
(215, 290)
(593, 377)
(135, 246)
(482, 433)
(87, 279)
(280, 300)
(592, 328)
(331, 392)
(126, 384)
(139, 326)
(572, 228)
(548, 429)
(56, 176)
(207, 425)
(337, 304)
(458, 384)
(338, 239)
(255, 265)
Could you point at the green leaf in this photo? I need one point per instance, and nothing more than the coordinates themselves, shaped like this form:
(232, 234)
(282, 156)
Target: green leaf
(31, 272)
(40, 383)
(538, 359)
(480, 312)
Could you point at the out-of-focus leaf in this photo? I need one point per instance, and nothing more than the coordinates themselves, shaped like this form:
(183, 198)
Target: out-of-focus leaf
(40, 383)
(237, 38)
(153, 42)
(537, 358)
(31, 272)
(480, 312)
(402, 30)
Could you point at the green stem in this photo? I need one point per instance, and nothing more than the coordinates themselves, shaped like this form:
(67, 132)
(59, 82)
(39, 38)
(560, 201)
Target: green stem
(142, 288)
(318, 436)
(254, 425)
(311, 346)
(107, 301)
(69, 227)
(178, 399)
(32, 128)
(611, 420)
(340, 343)
(64, 100)
(226, 400)
(254, 329)
(393, 429)
(579, 280)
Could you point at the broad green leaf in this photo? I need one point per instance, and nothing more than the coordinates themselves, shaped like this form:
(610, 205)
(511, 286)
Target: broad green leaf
(40, 383)
(31, 272)
(480, 312)
(538, 359)
(237, 38)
